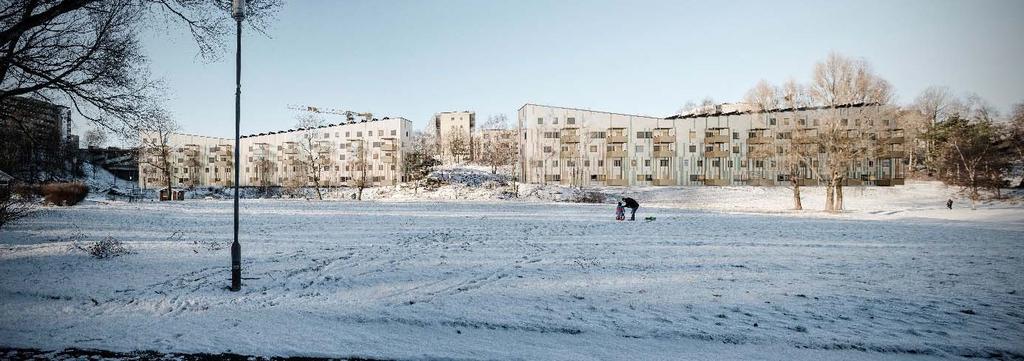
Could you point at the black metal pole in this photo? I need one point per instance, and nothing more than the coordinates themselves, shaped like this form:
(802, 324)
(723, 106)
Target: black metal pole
(236, 249)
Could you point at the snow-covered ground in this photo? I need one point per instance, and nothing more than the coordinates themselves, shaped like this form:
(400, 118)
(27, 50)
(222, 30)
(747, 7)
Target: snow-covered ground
(896, 277)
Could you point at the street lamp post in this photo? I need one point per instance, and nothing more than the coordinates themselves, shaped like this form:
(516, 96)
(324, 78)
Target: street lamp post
(238, 13)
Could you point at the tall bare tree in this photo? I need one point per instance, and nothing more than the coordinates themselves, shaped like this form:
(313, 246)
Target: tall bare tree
(360, 163)
(839, 81)
(85, 53)
(316, 154)
(156, 150)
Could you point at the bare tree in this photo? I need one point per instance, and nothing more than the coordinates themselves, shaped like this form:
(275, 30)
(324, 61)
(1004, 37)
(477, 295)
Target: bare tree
(360, 163)
(157, 149)
(95, 138)
(315, 150)
(839, 81)
(14, 206)
(85, 53)
(458, 144)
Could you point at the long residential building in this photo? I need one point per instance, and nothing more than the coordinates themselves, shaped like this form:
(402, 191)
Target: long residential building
(583, 147)
(369, 152)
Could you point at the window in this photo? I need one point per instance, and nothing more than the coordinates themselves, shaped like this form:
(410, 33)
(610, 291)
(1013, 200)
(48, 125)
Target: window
(586, 163)
(617, 163)
(600, 162)
(694, 177)
(735, 135)
(771, 121)
(647, 162)
(540, 120)
(327, 135)
(346, 136)
(547, 149)
(644, 135)
(597, 135)
(663, 162)
(693, 148)
(639, 149)
(359, 134)
(380, 132)
(693, 134)
(736, 149)
(817, 122)
(554, 163)
(785, 121)
(593, 148)
(394, 132)
(700, 163)
(554, 121)
(570, 120)
(844, 122)
(758, 164)
(570, 164)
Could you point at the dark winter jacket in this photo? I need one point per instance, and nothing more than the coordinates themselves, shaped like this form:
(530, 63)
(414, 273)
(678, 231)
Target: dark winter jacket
(631, 203)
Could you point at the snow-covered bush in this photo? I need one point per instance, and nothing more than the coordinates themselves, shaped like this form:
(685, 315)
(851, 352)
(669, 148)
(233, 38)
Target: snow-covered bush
(107, 247)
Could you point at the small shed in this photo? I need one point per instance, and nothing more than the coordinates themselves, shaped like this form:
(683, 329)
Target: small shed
(172, 194)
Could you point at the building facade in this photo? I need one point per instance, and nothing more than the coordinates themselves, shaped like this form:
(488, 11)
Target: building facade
(371, 152)
(35, 141)
(454, 134)
(581, 147)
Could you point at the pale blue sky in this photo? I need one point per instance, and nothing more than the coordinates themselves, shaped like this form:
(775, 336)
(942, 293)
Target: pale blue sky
(415, 58)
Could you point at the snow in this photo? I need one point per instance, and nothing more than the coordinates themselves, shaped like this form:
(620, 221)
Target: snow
(724, 273)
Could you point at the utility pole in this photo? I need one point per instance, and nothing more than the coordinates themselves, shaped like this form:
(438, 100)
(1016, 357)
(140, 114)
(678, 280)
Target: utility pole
(237, 12)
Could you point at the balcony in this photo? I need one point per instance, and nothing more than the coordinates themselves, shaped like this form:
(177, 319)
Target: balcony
(716, 182)
(615, 138)
(569, 138)
(759, 140)
(664, 181)
(892, 154)
(664, 139)
(895, 140)
(665, 153)
(389, 147)
(889, 182)
(716, 154)
(621, 153)
(761, 182)
(620, 182)
(716, 139)
(291, 150)
(389, 159)
(569, 153)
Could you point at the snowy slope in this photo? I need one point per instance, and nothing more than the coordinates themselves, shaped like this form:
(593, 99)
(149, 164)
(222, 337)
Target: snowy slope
(514, 280)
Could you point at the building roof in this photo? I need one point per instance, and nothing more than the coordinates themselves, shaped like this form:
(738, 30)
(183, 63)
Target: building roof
(777, 110)
(588, 110)
(4, 177)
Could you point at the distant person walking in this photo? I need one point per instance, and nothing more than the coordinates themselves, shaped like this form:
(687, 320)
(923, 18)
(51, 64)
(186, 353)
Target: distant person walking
(949, 203)
(620, 212)
(632, 205)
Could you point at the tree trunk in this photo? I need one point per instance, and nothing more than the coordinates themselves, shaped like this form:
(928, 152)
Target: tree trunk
(839, 195)
(829, 196)
(797, 204)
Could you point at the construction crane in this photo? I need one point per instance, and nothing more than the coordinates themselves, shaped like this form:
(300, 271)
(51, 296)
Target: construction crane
(349, 115)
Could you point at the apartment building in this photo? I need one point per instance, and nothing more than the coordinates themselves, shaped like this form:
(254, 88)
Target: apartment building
(344, 154)
(454, 131)
(717, 148)
(35, 138)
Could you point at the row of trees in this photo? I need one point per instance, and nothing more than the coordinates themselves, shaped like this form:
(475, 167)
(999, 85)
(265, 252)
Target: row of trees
(961, 140)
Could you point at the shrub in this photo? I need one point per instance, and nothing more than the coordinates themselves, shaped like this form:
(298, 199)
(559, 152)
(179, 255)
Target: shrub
(14, 206)
(64, 194)
(105, 248)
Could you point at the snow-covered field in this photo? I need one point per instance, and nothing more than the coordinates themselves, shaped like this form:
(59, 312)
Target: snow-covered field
(897, 277)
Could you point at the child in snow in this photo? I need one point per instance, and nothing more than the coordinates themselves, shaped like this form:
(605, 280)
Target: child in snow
(620, 212)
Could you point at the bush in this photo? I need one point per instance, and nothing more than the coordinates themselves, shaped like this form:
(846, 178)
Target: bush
(64, 194)
(105, 248)
(14, 206)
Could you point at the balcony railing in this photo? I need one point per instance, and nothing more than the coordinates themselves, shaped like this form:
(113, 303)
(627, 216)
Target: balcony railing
(664, 139)
(716, 139)
(716, 154)
(569, 153)
(895, 140)
(615, 138)
(665, 153)
(615, 153)
(570, 138)
(759, 140)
